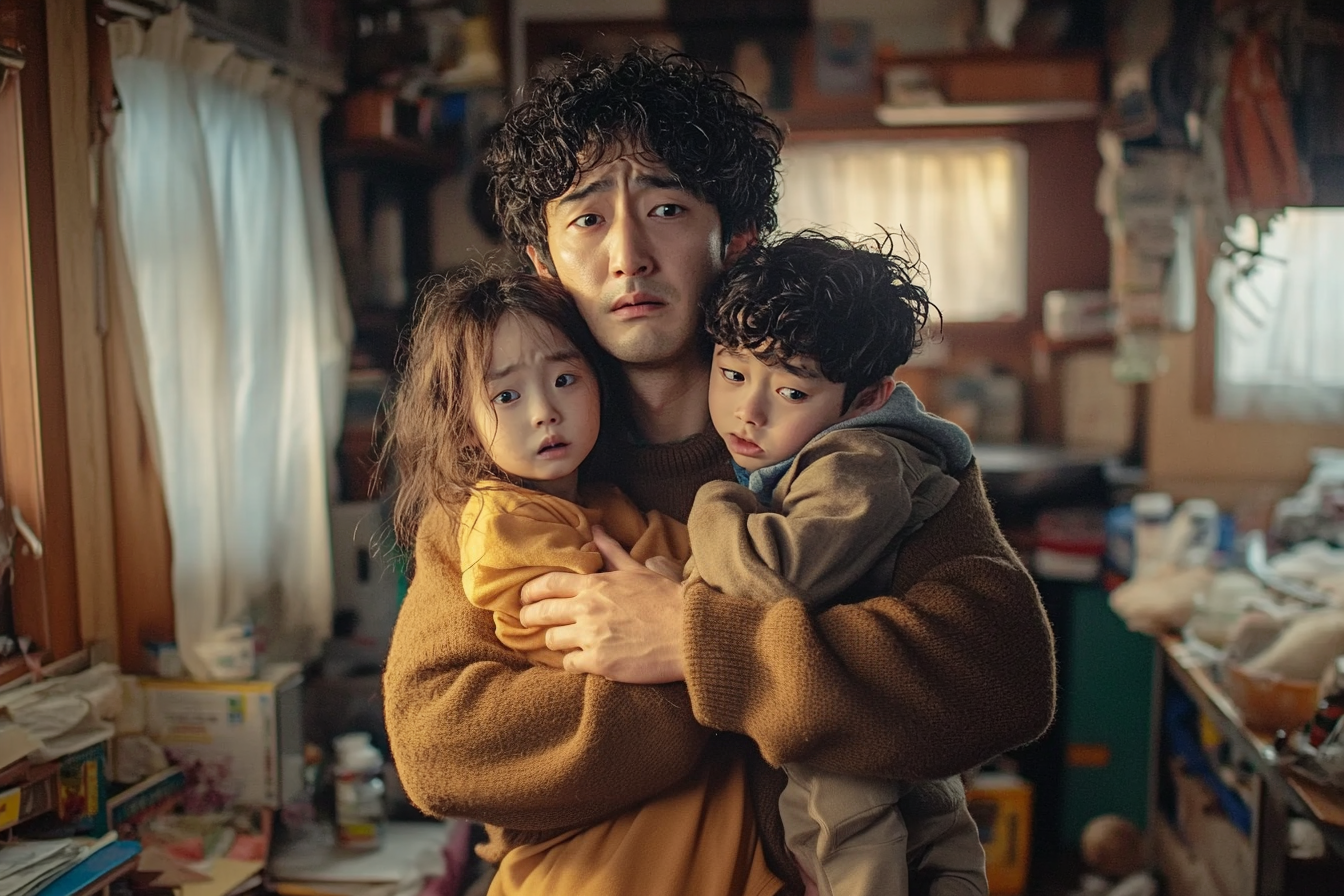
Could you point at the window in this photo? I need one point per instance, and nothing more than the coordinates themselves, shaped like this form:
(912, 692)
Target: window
(962, 203)
(1280, 318)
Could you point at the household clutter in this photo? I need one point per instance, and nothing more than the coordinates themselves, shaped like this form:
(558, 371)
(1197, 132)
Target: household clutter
(198, 788)
(1263, 610)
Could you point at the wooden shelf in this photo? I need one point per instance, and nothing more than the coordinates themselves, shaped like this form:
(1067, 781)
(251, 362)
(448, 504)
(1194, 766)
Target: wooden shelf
(958, 114)
(1324, 805)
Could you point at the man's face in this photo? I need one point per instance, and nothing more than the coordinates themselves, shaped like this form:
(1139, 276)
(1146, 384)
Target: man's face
(766, 413)
(637, 252)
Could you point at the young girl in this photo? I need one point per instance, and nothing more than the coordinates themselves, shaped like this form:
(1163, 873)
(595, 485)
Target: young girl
(501, 405)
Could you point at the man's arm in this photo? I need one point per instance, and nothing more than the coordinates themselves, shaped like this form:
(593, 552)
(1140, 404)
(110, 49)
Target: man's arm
(954, 667)
(478, 732)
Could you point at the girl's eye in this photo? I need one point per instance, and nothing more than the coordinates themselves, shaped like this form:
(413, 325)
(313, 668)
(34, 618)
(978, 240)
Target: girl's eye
(792, 394)
(508, 396)
(587, 220)
(566, 379)
(732, 376)
(667, 210)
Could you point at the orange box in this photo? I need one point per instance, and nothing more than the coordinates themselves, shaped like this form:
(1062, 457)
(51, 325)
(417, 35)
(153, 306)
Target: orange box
(1000, 803)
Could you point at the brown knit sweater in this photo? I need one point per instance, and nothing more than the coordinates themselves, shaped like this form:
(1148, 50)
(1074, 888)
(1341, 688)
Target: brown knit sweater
(951, 669)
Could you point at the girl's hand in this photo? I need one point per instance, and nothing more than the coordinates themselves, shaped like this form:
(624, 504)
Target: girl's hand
(623, 624)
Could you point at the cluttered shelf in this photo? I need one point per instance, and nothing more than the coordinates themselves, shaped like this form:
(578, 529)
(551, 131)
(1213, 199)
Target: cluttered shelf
(1320, 803)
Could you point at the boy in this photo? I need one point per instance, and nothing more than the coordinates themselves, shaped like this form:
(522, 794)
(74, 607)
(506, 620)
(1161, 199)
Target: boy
(836, 465)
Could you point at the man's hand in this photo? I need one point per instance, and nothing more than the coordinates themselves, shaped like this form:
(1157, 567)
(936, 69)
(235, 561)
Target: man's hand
(623, 624)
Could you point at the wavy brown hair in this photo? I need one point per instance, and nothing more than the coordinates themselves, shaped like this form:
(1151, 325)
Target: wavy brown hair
(714, 139)
(851, 306)
(431, 444)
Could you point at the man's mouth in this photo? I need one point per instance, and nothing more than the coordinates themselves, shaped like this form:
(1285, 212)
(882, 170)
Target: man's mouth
(635, 305)
(744, 447)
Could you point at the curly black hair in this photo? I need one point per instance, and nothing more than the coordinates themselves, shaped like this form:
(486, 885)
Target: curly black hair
(714, 139)
(852, 307)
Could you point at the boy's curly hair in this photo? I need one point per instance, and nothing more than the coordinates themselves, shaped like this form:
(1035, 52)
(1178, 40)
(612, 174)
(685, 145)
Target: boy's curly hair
(713, 138)
(852, 307)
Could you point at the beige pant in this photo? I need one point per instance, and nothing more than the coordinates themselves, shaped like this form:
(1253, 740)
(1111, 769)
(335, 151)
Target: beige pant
(864, 837)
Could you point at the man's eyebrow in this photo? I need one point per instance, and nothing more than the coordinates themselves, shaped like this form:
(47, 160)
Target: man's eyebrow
(603, 184)
(564, 354)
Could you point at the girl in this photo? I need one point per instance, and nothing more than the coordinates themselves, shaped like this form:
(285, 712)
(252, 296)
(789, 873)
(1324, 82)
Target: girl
(500, 407)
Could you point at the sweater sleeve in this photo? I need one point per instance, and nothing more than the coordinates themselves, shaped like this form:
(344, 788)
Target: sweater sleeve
(952, 667)
(841, 512)
(506, 540)
(479, 732)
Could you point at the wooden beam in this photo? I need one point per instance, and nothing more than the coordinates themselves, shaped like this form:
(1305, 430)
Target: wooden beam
(83, 319)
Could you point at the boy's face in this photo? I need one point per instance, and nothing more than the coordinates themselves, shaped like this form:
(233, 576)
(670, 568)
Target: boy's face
(637, 251)
(766, 414)
(538, 412)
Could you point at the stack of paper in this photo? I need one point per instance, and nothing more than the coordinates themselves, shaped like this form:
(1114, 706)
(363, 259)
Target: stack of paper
(28, 866)
(411, 853)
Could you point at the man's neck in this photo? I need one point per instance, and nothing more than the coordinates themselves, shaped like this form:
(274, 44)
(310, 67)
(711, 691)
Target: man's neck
(669, 404)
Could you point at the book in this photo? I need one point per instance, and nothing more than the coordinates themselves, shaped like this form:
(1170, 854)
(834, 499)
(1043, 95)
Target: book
(95, 871)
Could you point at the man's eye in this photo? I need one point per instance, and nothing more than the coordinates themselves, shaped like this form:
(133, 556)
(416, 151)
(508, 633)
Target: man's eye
(792, 394)
(566, 379)
(508, 396)
(732, 376)
(587, 220)
(667, 210)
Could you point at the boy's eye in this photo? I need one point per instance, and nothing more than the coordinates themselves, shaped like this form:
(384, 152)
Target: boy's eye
(508, 396)
(732, 376)
(566, 379)
(667, 210)
(792, 394)
(590, 220)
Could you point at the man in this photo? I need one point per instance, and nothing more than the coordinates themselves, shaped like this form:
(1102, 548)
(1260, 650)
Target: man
(633, 182)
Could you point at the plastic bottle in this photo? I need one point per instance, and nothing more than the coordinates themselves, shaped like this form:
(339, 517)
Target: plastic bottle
(361, 812)
(1152, 511)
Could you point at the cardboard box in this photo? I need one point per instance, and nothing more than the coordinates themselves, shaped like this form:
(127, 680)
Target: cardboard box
(238, 742)
(1000, 803)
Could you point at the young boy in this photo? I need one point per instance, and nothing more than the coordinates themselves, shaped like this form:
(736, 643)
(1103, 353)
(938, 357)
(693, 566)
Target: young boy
(836, 465)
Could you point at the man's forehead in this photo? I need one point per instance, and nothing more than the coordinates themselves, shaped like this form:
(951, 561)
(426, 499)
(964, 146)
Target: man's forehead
(619, 160)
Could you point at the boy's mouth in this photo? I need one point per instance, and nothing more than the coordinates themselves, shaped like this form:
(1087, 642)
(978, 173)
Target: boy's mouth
(745, 447)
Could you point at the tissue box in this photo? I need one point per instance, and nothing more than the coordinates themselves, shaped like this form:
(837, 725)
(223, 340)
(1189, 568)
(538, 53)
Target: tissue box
(238, 742)
(1000, 803)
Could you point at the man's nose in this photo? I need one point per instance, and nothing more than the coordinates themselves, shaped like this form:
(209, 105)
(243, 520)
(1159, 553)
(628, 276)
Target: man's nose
(629, 252)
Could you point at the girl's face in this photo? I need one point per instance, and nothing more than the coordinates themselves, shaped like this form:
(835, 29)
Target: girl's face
(538, 413)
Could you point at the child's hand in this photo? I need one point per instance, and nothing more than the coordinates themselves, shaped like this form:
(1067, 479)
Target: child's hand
(665, 567)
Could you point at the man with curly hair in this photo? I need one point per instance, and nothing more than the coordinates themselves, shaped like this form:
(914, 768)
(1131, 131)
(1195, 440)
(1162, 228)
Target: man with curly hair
(634, 181)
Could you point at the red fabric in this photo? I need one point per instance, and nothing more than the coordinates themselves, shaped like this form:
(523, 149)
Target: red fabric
(1259, 154)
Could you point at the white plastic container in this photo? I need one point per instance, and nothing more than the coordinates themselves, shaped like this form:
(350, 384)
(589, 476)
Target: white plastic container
(361, 808)
(1152, 512)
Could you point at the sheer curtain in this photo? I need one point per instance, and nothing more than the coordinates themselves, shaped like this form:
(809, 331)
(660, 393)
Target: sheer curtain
(1281, 319)
(964, 204)
(244, 325)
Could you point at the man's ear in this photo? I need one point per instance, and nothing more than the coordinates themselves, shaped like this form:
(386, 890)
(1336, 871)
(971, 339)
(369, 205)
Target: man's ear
(871, 398)
(540, 263)
(738, 244)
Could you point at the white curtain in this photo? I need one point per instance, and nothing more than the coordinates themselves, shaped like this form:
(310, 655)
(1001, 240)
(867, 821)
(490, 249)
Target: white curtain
(964, 204)
(245, 327)
(1280, 345)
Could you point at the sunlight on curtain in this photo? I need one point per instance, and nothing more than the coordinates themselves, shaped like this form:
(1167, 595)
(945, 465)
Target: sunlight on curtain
(964, 204)
(245, 328)
(1281, 320)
